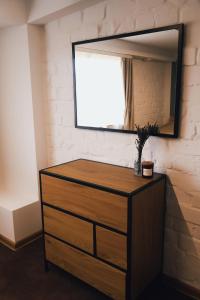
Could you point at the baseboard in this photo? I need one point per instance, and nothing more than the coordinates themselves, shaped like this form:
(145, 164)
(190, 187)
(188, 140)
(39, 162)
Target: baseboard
(15, 246)
(182, 287)
(6, 242)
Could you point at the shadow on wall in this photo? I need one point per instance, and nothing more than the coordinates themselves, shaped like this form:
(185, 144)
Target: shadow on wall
(182, 235)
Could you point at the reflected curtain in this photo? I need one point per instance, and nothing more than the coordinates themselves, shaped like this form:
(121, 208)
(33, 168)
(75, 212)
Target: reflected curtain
(128, 91)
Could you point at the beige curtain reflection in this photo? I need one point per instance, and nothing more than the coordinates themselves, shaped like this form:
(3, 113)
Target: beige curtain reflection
(128, 90)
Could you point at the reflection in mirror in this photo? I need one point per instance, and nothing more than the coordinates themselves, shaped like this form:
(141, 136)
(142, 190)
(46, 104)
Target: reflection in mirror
(126, 81)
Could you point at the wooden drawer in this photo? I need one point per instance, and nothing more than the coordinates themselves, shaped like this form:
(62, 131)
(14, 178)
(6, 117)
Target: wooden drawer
(111, 247)
(68, 228)
(100, 206)
(96, 273)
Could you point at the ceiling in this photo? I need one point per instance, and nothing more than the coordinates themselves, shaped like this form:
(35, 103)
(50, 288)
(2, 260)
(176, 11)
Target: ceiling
(163, 40)
(18, 12)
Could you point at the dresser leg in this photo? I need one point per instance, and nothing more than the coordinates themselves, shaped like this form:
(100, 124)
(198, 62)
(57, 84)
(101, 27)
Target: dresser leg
(46, 265)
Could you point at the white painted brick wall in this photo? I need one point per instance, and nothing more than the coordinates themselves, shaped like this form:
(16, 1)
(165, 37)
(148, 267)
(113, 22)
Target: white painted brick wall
(180, 158)
(154, 88)
(165, 14)
(189, 58)
(145, 21)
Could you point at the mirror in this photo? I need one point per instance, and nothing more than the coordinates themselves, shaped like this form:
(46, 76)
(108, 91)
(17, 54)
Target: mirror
(129, 79)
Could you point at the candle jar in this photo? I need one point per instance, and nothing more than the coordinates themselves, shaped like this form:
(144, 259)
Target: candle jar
(147, 169)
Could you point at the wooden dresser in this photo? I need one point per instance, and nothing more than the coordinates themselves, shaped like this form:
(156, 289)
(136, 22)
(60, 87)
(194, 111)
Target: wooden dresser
(104, 225)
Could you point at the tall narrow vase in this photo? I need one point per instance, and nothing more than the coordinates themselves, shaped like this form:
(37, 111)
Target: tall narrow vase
(137, 167)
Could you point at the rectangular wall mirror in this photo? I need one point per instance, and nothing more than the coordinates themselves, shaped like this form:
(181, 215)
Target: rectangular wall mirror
(129, 79)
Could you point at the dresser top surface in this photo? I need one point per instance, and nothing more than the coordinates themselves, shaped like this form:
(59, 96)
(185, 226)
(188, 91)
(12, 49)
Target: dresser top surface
(103, 175)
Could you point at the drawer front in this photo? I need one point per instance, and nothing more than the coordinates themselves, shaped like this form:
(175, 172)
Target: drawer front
(111, 247)
(96, 273)
(68, 228)
(100, 206)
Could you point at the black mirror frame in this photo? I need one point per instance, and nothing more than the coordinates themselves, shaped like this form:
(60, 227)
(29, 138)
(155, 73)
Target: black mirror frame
(180, 28)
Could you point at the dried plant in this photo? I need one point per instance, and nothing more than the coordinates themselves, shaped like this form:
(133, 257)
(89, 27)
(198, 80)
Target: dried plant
(143, 134)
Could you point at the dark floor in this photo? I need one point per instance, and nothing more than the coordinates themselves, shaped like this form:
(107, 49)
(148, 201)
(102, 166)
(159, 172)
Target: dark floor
(22, 277)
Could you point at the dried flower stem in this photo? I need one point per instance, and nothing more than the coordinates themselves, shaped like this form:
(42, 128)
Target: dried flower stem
(143, 135)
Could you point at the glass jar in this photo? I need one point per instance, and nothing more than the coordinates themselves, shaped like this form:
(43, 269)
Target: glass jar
(137, 168)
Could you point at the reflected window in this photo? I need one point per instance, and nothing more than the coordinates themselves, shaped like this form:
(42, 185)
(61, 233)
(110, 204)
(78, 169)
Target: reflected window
(99, 104)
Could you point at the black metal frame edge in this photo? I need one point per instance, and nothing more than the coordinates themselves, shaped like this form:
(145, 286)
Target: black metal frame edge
(67, 243)
(160, 135)
(86, 252)
(84, 218)
(164, 221)
(180, 28)
(129, 248)
(43, 239)
(74, 84)
(148, 184)
(94, 239)
(178, 81)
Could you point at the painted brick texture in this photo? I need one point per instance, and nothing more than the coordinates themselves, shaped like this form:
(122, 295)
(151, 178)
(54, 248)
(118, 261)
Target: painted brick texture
(179, 159)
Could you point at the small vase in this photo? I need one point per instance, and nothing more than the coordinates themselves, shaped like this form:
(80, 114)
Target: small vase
(137, 168)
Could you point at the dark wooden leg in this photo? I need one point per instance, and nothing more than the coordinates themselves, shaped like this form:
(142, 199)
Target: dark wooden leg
(46, 265)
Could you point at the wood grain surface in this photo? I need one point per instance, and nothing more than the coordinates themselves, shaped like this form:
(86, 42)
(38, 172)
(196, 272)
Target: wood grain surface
(96, 273)
(68, 228)
(106, 175)
(103, 207)
(111, 247)
(147, 236)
